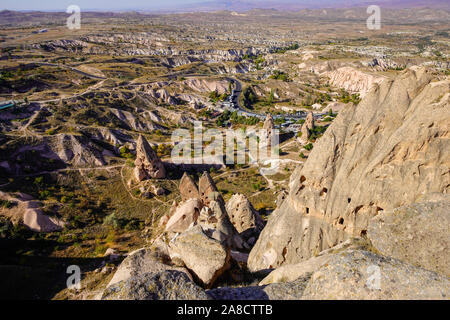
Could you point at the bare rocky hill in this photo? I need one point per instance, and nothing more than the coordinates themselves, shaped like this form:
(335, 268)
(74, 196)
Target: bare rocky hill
(386, 152)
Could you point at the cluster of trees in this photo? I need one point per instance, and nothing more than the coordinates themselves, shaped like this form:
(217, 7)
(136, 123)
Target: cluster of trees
(320, 97)
(257, 60)
(234, 118)
(279, 75)
(294, 46)
(317, 132)
(346, 97)
(250, 97)
(215, 97)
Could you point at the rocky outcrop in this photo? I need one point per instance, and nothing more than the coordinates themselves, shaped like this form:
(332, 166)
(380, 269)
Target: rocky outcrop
(205, 257)
(164, 285)
(22, 209)
(185, 216)
(132, 122)
(307, 128)
(382, 154)
(147, 163)
(208, 190)
(244, 217)
(385, 64)
(141, 262)
(36, 220)
(269, 128)
(350, 271)
(188, 188)
(353, 80)
(206, 209)
(78, 151)
(416, 233)
(206, 86)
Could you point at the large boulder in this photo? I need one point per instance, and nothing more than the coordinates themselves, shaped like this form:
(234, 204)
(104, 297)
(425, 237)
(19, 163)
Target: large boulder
(164, 285)
(376, 156)
(416, 233)
(216, 224)
(244, 217)
(358, 274)
(147, 163)
(185, 216)
(347, 272)
(205, 257)
(140, 262)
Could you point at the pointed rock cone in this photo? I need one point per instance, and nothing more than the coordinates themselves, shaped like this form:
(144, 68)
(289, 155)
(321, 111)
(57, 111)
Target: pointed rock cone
(243, 215)
(269, 127)
(307, 127)
(309, 122)
(188, 188)
(208, 190)
(148, 165)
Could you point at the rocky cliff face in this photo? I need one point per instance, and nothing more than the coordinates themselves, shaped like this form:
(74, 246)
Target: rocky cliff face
(384, 153)
(353, 80)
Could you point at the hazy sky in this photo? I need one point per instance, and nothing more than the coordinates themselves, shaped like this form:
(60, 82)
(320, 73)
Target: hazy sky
(103, 5)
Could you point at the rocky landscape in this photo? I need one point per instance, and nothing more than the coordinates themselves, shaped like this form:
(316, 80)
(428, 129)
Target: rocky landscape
(359, 207)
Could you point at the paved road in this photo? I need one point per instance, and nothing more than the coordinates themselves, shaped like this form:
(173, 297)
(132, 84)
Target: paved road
(235, 100)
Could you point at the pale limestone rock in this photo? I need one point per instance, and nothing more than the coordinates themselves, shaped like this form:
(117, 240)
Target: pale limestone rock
(207, 189)
(243, 216)
(37, 221)
(148, 165)
(163, 285)
(375, 157)
(417, 233)
(188, 188)
(205, 257)
(140, 262)
(185, 216)
(353, 80)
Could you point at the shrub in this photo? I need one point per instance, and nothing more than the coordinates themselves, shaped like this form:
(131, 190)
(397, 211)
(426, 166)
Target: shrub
(309, 146)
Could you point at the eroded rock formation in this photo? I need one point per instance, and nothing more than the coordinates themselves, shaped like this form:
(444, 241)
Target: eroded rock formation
(148, 165)
(382, 154)
(244, 217)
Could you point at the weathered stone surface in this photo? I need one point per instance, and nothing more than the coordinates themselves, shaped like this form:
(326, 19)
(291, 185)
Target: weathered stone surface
(148, 165)
(269, 126)
(416, 233)
(24, 210)
(188, 188)
(185, 216)
(353, 80)
(140, 262)
(243, 216)
(348, 273)
(307, 126)
(165, 285)
(37, 221)
(205, 257)
(292, 272)
(207, 189)
(374, 157)
(352, 274)
(216, 224)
